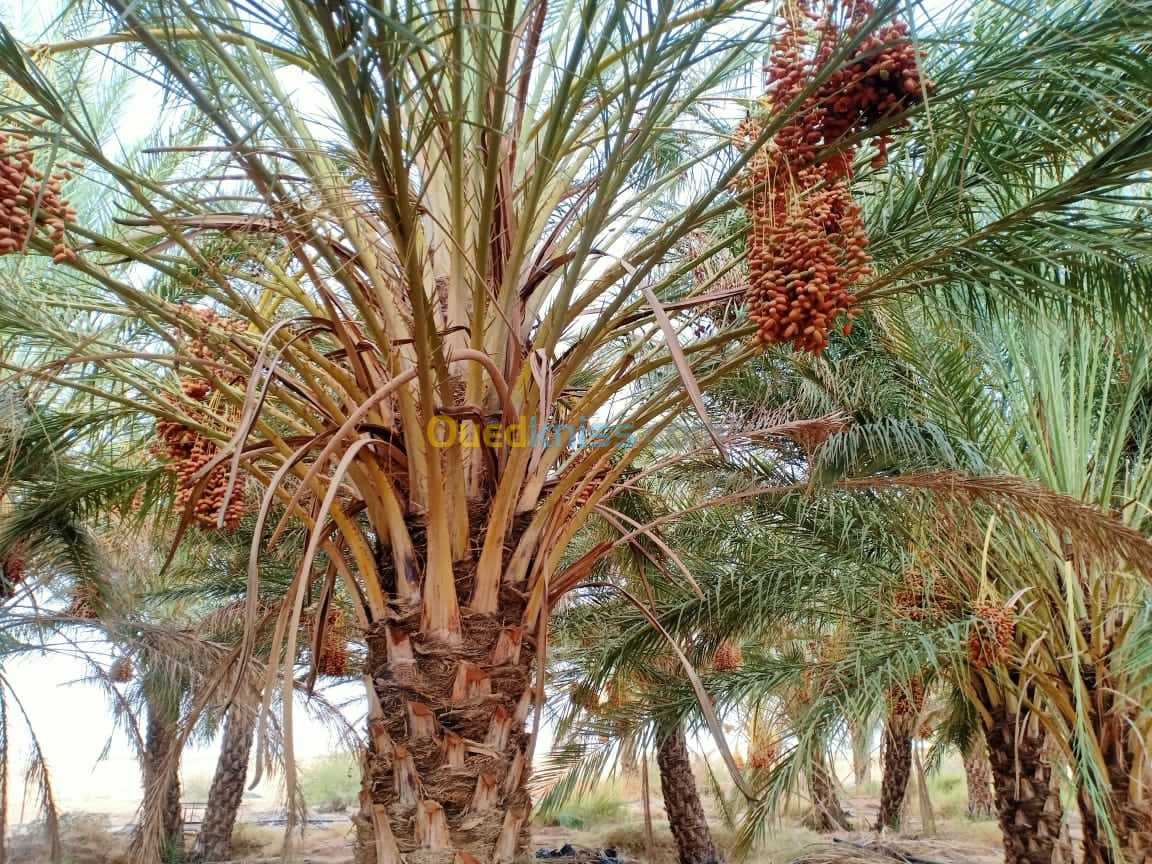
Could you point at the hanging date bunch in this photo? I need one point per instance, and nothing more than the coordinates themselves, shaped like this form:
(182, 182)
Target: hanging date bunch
(12, 573)
(807, 244)
(584, 695)
(333, 656)
(763, 757)
(728, 656)
(908, 601)
(583, 491)
(917, 599)
(82, 602)
(122, 670)
(907, 701)
(189, 450)
(30, 201)
(992, 634)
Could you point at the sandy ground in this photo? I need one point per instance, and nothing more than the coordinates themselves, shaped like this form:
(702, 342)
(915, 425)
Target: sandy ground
(98, 828)
(92, 839)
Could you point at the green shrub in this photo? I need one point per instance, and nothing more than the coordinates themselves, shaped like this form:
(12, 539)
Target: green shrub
(949, 794)
(331, 782)
(194, 787)
(601, 805)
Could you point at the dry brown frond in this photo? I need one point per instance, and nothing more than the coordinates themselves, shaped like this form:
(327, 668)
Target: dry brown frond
(1016, 501)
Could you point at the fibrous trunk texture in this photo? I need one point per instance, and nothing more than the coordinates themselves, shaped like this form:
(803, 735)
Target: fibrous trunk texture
(447, 758)
(1116, 728)
(978, 774)
(161, 772)
(682, 801)
(1094, 844)
(1131, 816)
(897, 765)
(1027, 798)
(827, 814)
(214, 842)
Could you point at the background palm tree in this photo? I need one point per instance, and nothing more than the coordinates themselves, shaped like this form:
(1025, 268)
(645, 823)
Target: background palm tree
(936, 613)
(976, 565)
(99, 546)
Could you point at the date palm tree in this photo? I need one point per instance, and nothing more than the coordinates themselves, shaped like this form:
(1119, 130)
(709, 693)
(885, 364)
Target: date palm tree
(207, 579)
(1089, 442)
(615, 698)
(214, 839)
(82, 535)
(45, 561)
(365, 237)
(922, 563)
(1054, 403)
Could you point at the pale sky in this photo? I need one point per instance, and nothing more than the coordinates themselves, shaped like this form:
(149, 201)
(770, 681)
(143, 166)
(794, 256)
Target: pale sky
(73, 723)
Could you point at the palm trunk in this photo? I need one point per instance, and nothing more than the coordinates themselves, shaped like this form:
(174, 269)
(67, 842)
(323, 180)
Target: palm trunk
(1064, 848)
(214, 842)
(447, 761)
(897, 763)
(1115, 726)
(682, 801)
(1027, 798)
(1135, 816)
(978, 774)
(1094, 844)
(927, 817)
(827, 814)
(861, 753)
(1132, 819)
(161, 774)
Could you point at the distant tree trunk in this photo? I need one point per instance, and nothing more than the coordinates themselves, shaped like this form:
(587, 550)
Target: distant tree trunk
(1027, 798)
(629, 764)
(629, 757)
(161, 771)
(861, 753)
(978, 774)
(214, 842)
(897, 764)
(682, 801)
(827, 814)
(927, 817)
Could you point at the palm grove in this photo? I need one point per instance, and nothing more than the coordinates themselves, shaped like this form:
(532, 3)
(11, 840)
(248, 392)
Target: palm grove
(355, 224)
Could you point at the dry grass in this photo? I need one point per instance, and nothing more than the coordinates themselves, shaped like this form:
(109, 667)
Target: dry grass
(85, 837)
(872, 850)
(88, 839)
(256, 841)
(628, 838)
(320, 844)
(610, 817)
(973, 842)
(984, 832)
